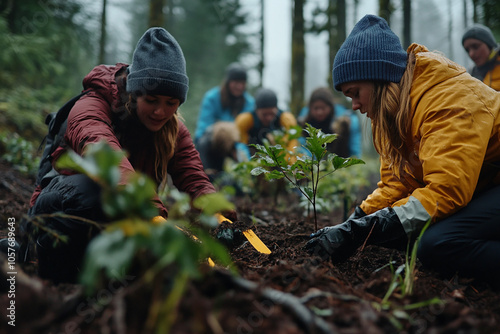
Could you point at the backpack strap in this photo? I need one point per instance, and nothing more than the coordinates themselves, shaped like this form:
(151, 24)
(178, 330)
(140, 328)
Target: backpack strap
(56, 122)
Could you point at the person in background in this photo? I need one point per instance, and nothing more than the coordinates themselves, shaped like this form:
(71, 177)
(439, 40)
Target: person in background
(225, 102)
(133, 108)
(323, 113)
(258, 125)
(437, 130)
(220, 142)
(481, 46)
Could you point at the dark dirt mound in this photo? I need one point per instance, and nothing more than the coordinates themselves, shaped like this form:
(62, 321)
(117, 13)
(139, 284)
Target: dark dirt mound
(287, 291)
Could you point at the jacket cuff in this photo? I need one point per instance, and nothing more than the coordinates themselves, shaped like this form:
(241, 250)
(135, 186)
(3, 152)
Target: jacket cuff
(412, 215)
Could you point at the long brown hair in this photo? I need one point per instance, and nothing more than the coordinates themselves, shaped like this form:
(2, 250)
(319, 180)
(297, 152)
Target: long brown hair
(164, 140)
(229, 101)
(391, 103)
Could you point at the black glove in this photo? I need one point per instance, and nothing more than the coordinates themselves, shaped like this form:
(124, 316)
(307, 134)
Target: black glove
(339, 242)
(358, 213)
(231, 238)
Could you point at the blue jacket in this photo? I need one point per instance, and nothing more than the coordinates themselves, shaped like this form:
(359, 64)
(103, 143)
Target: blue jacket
(211, 110)
(355, 136)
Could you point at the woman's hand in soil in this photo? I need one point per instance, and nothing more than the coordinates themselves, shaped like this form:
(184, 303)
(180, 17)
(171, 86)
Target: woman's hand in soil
(335, 242)
(339, 242)
(230, 237)
(230, 232)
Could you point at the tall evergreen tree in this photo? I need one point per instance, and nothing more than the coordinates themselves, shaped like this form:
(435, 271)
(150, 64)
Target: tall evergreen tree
(298, 58)
(406, 23)
(261, 64)
(156, 17)
(385, 10)
(45, 43)
(102, 42)
(335, 26)
(47, 49)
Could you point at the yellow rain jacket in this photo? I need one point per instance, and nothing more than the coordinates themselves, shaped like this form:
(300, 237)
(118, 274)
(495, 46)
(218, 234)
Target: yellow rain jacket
(455, 148)
(492, 78)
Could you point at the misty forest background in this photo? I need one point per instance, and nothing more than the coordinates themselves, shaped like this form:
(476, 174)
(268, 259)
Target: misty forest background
(48, 46)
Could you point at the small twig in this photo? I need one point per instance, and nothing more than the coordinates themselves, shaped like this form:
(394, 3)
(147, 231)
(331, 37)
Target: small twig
(214, 324)
(319, 293)
(368, 237)
(119, 314)
(64, 215)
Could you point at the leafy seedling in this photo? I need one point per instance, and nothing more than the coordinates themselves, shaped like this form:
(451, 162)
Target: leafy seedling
(276, 162)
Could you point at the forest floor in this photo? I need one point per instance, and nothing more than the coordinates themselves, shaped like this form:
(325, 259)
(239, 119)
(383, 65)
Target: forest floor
(287, 291)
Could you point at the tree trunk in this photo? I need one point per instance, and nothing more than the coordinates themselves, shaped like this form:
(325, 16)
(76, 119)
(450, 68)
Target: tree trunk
(102, 42)
(355, 11)
(261, 64)
(156, 18)
(336, 31)
(450, 31)
(406, 23)
(475, 4)
(466, 24)
(298, 57)
(385, 10)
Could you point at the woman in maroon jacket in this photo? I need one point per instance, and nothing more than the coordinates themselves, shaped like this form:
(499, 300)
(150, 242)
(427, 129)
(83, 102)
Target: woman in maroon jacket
(134, 108)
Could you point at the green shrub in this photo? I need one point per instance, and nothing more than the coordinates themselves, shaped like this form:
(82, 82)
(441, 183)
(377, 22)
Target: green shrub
(19, 152)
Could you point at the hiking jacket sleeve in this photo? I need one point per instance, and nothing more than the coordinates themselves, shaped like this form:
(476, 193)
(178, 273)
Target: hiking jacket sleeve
(287, 120)
(244, 122)
(210, 111)
(453, 146)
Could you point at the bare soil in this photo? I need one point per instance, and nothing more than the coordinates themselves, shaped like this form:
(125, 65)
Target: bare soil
(287, 291)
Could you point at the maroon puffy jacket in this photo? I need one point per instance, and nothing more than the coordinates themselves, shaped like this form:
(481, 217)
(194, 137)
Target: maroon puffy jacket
(91, 120)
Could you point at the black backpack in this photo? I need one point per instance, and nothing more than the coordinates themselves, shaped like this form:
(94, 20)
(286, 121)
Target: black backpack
(57, 123)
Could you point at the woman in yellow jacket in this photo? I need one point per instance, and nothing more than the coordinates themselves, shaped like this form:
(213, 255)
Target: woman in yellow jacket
(481, 46)
(437, 131)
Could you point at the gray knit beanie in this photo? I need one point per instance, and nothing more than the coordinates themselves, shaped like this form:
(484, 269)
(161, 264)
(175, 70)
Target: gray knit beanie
(265, 98)
(158, 66)
(482, 33)
(236, 71)
(371, 52)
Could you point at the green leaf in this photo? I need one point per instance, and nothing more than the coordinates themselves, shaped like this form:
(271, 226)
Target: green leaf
(274, 175)
(111, 252)
(100, 162)
(317, 141)
(309, 192)
(210, 204)
(213, 248)
(73, 161)
(339, 162)
(258, 170)
(294, 132)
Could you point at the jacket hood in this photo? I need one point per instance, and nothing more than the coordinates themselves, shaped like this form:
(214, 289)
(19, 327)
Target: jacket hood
(431, 68)
(102, 80)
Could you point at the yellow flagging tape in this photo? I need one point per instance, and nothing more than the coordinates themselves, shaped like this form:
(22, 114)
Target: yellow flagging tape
(250, 235)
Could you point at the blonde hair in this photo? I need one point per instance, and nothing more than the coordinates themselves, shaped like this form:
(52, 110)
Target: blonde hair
(224, 136)
(391, 103)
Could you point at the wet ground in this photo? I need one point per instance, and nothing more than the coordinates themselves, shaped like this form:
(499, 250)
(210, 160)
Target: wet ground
(287, 291)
